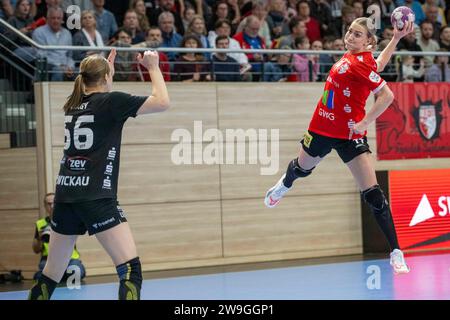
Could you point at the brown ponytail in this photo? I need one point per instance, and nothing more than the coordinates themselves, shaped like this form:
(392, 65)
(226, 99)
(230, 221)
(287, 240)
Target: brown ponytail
(77, 94)
(93, 70)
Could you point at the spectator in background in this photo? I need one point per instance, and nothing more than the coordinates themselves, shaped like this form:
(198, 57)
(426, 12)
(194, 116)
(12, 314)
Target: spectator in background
(125, 65)
(167, 6)
(139, 7)
(408, 72)
(336, 15)
(197, 27)
(235, 13)
(22, 21)
(249, 39)
(131, 23)
(117, 8)
(409, 43)
(88, 36)
(317, 46)
(415, 6)
(259, 10)
(171, 39)
(440, 11)
(188, 15)
(386, 9)
(312, 25)
(438, 69)
(426, 41)
(82, 4)
(59, 62)
(191, 67)
(278, 19)
(321, 11)
(42, 238)
(225, 68)
(42, 8)
(153, 39)
(348, 16)
(221, 11)
(6, 9)
(388, 33)
(306, 66)
(327, 61)
(444, 37)
(106, 22)
(281, 69)
(297, 28)
(223, 28)
(431, 14)
(358, 8)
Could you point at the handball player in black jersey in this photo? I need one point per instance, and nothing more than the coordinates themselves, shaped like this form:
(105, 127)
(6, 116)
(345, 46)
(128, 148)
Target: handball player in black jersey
(86, 187)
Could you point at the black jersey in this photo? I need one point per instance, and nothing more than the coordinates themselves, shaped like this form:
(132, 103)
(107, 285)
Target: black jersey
(89, 168)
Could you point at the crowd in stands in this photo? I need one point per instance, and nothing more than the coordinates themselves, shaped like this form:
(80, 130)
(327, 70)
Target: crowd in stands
(233, 24)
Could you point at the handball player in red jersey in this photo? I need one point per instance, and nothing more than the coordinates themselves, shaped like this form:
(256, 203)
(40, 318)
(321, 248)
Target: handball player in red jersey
(340, 122)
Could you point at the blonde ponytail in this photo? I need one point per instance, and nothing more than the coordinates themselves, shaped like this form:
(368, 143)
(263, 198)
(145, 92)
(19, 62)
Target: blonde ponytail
(76, 97)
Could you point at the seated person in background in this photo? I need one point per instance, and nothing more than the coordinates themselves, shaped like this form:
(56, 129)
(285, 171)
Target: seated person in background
(408, 71)
(131, 24)
(191, 66)
(303, 63)
(60, 64)
(87, 36)
(440, 66)
(153, 39)
(125, 64)
(42, 239)
(23, 21)
(225, 67)
(171, 39)
(281, 69)
(197, 28)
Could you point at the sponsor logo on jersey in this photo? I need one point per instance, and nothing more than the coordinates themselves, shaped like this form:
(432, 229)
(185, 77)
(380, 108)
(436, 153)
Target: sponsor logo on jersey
(107, 183)
(360, 58)
(112, 154)
(326, 114)
(328, 99)
(72, 181)
(347, 108)
(78, 163)
(347, 92)
(109, 169)
(332, 81)
(374, 77)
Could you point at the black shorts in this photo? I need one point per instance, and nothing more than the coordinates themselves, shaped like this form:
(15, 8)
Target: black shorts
(317, 145)
(94, 216)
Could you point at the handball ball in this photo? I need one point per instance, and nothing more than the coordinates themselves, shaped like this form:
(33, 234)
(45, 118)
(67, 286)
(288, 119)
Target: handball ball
(400, 16)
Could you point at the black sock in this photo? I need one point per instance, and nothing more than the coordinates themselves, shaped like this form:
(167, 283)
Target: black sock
(130, 275)
(43, 289)
(384, 220)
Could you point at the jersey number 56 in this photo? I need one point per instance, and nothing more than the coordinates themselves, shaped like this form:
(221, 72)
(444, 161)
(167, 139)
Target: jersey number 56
(87, 134)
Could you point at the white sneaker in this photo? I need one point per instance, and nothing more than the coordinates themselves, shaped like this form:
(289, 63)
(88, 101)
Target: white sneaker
(274, 195)
(398, 262)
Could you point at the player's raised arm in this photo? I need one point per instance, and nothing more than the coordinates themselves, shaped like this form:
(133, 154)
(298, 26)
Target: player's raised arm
(159, 100)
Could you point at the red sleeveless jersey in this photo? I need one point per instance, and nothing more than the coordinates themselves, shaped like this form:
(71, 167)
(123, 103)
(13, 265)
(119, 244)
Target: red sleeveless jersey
(347, 88)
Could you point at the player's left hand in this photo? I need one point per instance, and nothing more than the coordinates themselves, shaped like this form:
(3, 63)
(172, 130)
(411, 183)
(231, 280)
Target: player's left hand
(360, 127)
(409, 28)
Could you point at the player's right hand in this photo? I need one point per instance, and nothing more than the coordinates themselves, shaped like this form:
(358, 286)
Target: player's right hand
(150, 59)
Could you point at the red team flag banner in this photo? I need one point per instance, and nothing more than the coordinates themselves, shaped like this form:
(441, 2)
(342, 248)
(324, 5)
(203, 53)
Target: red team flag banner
(417, 124)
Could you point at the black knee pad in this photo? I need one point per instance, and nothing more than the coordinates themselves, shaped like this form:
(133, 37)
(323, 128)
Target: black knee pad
(299, 171)
(376, 199)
